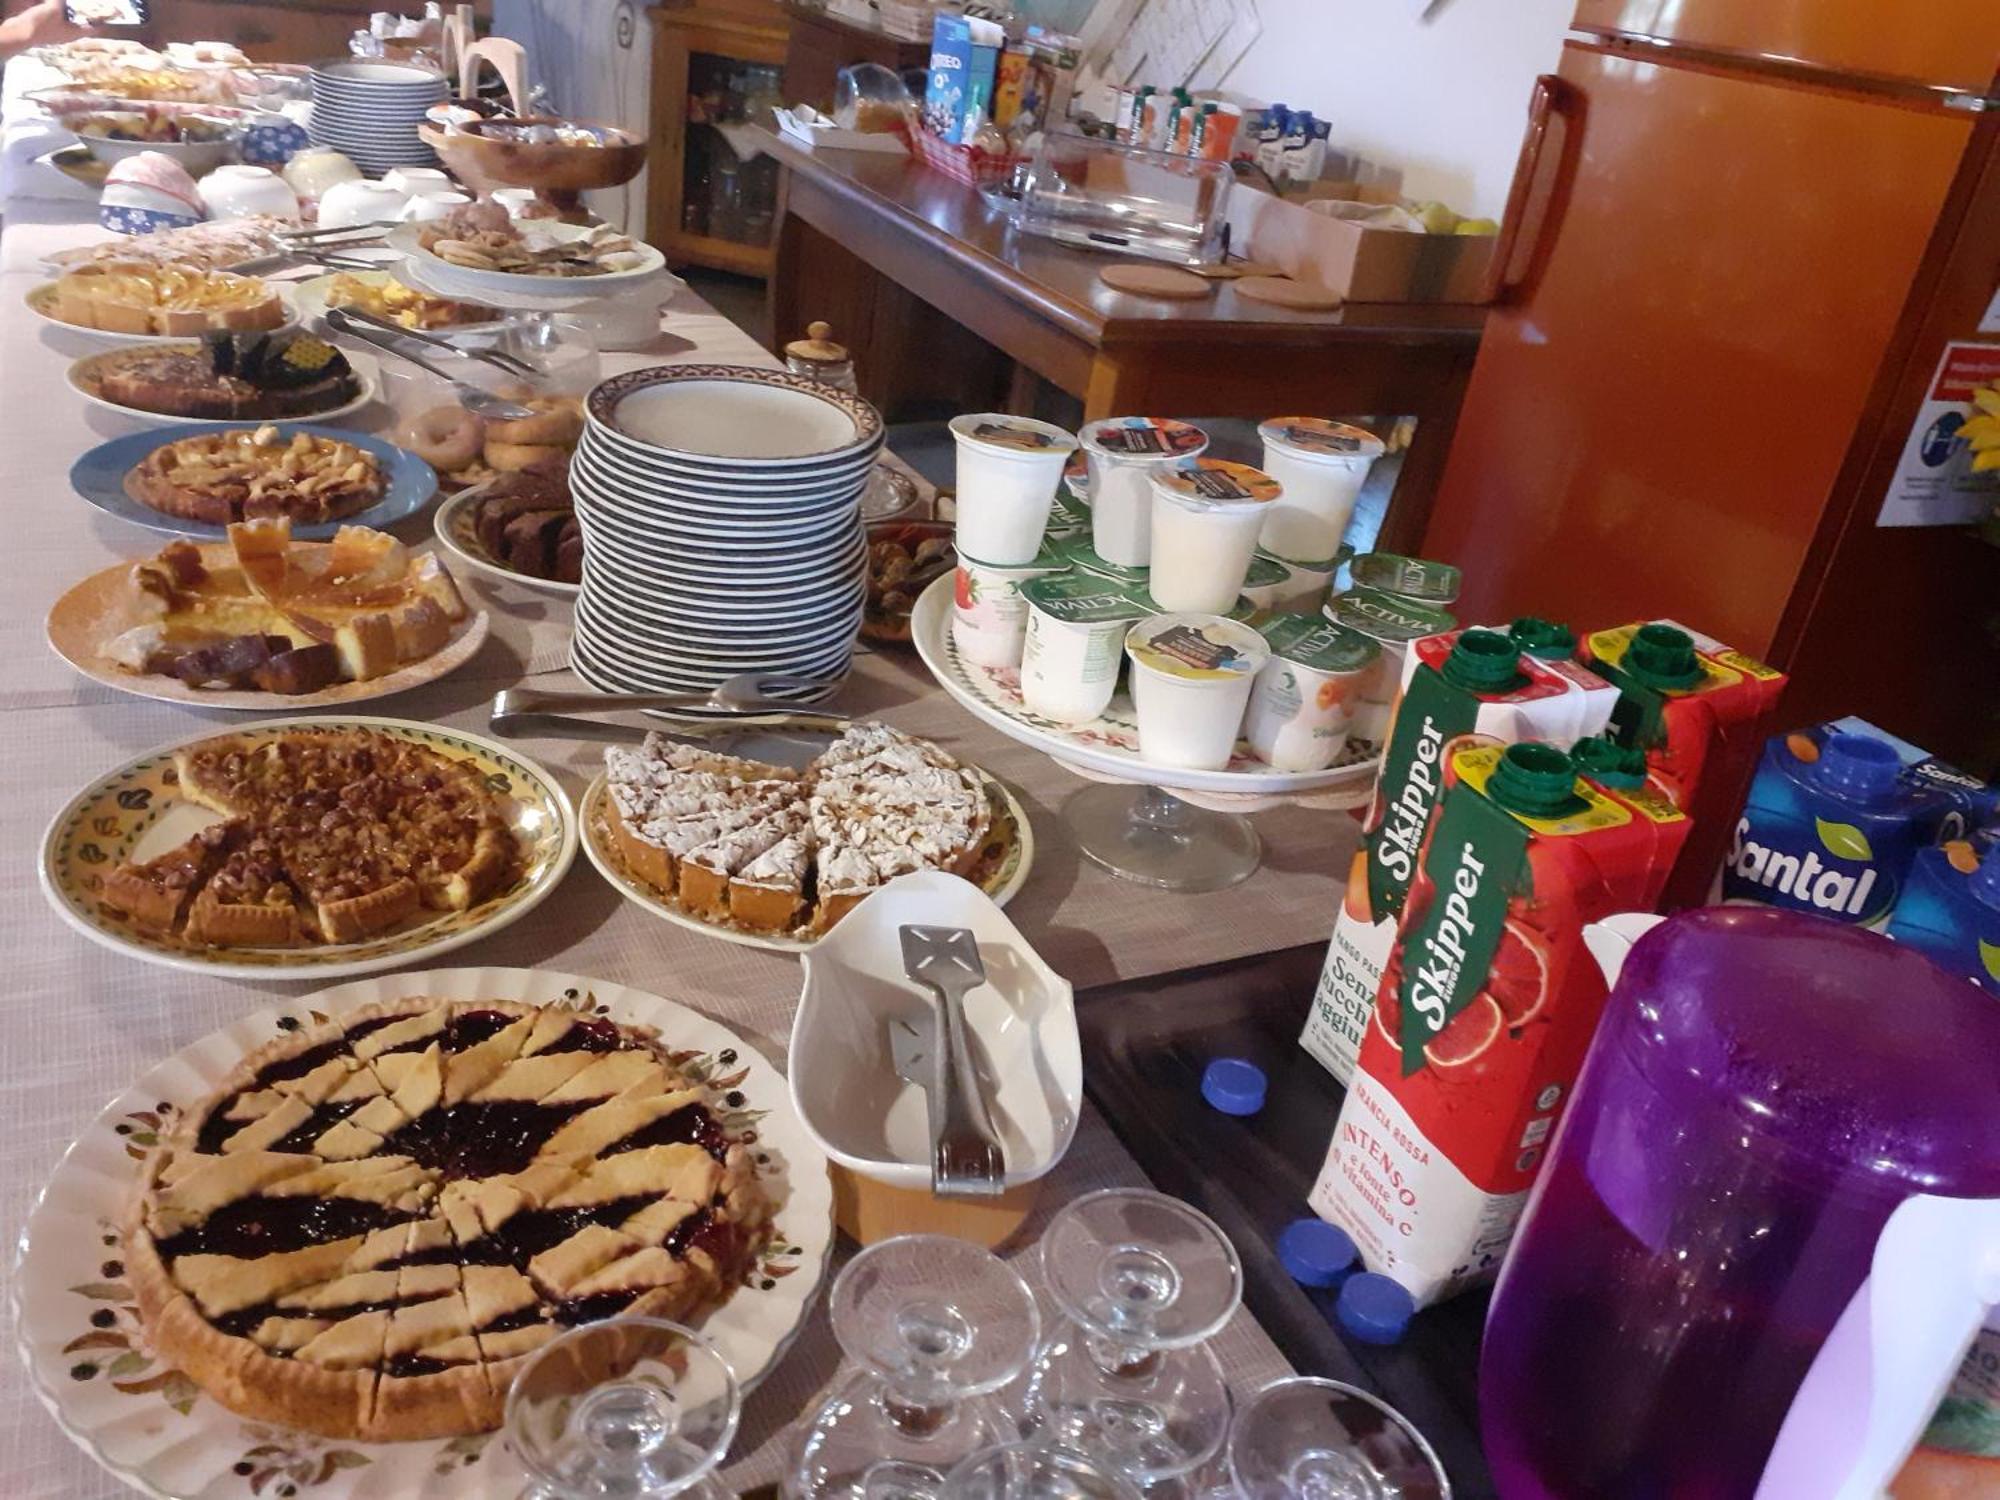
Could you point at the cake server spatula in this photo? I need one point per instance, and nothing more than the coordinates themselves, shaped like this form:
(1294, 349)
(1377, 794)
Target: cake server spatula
(966, 1160)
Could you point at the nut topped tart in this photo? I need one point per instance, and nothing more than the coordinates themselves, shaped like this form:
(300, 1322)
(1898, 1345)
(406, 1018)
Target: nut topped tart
(245, 474)
(772, 850)
(327, 837)
(370, 1224)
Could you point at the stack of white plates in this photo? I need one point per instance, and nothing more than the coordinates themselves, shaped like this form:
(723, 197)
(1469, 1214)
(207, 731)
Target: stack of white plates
(370, 110)
(720, 509)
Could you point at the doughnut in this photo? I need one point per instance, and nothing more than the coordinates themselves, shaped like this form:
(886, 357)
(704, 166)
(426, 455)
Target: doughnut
(507, 457)
(555, 424)
(448, 438)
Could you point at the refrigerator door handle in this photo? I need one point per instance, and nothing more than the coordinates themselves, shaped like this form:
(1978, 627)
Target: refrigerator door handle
(1531, 200)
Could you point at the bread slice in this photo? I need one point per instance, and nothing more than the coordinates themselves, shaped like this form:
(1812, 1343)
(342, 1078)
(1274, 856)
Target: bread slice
(367, 647)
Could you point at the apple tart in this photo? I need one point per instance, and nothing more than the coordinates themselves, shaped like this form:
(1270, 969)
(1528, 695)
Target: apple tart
(372, 1224)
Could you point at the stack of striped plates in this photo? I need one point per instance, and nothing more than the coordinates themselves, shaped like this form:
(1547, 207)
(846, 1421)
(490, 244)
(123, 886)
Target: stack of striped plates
(720, 510)
(370, 110)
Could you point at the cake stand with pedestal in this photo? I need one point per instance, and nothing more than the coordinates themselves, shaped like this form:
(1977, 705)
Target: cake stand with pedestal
(1164, 826)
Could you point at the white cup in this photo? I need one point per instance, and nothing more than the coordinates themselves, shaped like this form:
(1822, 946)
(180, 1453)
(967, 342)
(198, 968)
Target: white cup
(989, 618)
(1321, 465)
(1007, 473)
(1191, 680)
(415, 180)
(311, 173)
(1392, 623)
(1206, 518)
(425, 208)
(238, 191)
(516, 200)
(359, 202)
(1303, 700)
(1123, 453)
(1075, 644)
(1306, 584)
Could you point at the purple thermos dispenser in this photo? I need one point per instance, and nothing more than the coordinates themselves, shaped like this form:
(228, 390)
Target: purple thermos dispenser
(1769, 1229)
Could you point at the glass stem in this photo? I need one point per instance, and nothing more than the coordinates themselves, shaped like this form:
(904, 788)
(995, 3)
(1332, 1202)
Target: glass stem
(1123, 1361)
(915, 1417)
(1157, 813)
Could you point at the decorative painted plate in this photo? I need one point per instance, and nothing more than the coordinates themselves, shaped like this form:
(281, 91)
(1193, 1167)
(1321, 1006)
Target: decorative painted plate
(452, 521)
(1107, 745)
(151, 1427)
(101, 477)
(135, 812)
(1002, 871)
(90, 614)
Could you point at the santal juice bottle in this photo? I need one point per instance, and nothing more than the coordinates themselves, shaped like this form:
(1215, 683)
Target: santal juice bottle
(1696, 707)
(1457, 682)
(1485, 1009)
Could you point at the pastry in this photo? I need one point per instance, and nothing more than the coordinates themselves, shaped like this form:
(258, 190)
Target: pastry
(174, 300)
(262, 611)
(328, 837)
(368, 1228)
(199, 247)
(482, 237)
(526, 520)
(228, 377)
(386, 297)
(239, 475)
(771, 850)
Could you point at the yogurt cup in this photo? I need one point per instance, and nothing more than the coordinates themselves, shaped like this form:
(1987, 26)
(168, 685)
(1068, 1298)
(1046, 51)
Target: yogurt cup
(1303, 699)
(1122, 454)
(1076, 551)
(1408, 577)
(1075, 644)
(1007, 473)
(1392, 622)
(1322, 465)
(1206, 518)
(1191, 680)
(1264, 584)
(1307, 582)
(989, 618)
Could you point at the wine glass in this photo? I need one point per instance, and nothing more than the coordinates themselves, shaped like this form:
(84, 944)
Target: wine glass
(1144, 1282)
(936, 1325)
(1309, 1439)
(624, 1409)
(1035, 1471)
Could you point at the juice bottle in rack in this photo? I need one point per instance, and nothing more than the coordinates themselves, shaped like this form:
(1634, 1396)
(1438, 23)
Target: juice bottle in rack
(1485, 1009)
(1453, 683)
(1697, 708)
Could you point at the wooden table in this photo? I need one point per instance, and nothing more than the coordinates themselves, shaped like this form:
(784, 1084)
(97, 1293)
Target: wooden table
(916, 271)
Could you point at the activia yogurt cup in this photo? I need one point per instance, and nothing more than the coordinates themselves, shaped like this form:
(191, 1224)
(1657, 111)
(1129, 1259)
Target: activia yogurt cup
(1191, 679)
(1303, 699)
(1123, 453)
(1322, 465)
(1075, 644)
(1392, 622)
(1264, 584)
(1408, 577)
(1206, 518)
(1007, 473)
(1076, 551)
(989, 618)
(1068, 516)
(1307, 581)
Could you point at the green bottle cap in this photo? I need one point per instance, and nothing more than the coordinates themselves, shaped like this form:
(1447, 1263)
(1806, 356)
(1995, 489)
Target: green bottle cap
(1547, 640)
(1535, 779)
(1662, 656)
(1483, 661)
(1609, 763)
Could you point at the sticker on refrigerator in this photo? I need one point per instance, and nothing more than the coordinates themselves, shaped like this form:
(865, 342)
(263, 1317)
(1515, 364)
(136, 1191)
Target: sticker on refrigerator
(1949, 474)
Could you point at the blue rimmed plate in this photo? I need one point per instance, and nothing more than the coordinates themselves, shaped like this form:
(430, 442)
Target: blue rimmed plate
(100, 475)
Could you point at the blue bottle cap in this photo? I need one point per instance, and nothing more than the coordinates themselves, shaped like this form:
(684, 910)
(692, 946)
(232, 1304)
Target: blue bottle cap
(1858, 766)
(1233, 1086)
(1374, 1309)
(1315, 1252)
(1985, 881)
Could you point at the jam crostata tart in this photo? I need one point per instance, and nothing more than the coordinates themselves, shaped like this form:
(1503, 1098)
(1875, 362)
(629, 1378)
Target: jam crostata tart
(228, 377)
(769, 849)
(327, 837)
(372, 1224)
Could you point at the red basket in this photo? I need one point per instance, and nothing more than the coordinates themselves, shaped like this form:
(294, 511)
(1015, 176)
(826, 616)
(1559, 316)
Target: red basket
(966, 163)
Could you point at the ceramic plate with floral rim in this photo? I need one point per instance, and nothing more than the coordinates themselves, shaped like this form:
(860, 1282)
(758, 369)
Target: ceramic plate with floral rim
(1107, 745)
(136, 812)
(1001, 871)
(151, 1426)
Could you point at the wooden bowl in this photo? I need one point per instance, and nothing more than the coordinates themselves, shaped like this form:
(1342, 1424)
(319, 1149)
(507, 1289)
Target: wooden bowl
(551, 168)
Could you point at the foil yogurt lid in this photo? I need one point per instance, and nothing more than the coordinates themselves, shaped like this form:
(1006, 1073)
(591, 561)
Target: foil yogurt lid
(1320, 437)
(1387, 617)
(1143, 438)
(1217, 482)
(1318, 644)
(1412, 577)
(1197, 648)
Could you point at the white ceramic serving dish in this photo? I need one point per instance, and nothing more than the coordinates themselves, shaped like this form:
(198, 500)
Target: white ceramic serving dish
(1022, 1026)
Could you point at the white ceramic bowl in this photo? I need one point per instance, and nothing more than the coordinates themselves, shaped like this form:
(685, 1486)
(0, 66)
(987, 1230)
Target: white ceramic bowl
(239, 191)
(359, 202)
(1022, 1026)
(313, 172)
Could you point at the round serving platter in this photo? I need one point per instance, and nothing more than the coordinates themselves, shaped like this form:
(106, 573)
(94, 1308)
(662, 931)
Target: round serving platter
(81, 373)
(309, 297)
(101, 475)
(151, 1427)
(40, 301)
(453, 523)
(472, 285)
(137, 812)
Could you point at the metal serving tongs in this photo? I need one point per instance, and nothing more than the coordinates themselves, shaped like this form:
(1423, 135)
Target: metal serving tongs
(500, 359)
(475, 399)
(966, 1159)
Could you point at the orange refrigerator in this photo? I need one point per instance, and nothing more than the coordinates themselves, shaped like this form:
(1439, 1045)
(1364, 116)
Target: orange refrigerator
(1739, 242)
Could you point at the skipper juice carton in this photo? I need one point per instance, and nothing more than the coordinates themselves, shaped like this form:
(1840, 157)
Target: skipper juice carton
(1455, 683)
(1486, 1008)
(1696, 707)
